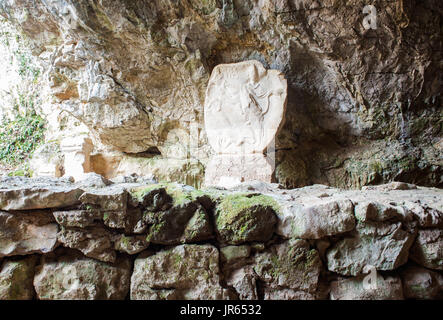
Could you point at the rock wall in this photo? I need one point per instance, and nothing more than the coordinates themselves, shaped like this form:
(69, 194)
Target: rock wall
(135, 239)
(364, 106)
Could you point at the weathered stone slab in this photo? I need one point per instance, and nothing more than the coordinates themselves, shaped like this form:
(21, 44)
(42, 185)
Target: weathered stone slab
(26, 233)
(20, 193)
(244, 108)
(130, 244)
(232, 254)
(183, 272)
(244, 281)
(180, 224)
(172, 213)
(110, 198)
(72, 276)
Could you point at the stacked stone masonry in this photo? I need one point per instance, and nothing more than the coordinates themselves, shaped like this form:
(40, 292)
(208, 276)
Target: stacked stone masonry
(136, 239)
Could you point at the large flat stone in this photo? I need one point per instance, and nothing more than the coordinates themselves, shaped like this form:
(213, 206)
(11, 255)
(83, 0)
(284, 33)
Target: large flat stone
(20, 193)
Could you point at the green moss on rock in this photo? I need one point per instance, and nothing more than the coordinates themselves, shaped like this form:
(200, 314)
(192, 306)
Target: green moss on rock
(244, 217)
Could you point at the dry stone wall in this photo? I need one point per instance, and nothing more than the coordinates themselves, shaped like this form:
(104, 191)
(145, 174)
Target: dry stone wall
(137, 239)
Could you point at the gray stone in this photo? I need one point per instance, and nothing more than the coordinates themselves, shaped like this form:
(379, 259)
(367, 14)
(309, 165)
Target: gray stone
(421, 283)
(382, 245)
(130, 244)
(25, 233)
(315, 220)
(244, 281)
(92, 180)
(291, 267)
(389, 288)
(71, 276)
(428, 249)
(181, 224)
(183, 272)
(231, 254)
(241, 218)
(111, 198)
(20, 193)
(16, 278)
(78, 218)
(94, 242)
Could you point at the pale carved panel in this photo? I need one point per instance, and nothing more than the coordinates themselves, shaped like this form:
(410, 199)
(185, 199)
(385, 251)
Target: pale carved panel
(244, 107)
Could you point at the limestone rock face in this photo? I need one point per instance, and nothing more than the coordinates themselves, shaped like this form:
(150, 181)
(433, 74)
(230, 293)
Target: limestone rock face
(25, 233)
(135, 75)
(183, 272)
(18, 193)
(76, 160)
(16, 278)
(71, 276)
(389, 288)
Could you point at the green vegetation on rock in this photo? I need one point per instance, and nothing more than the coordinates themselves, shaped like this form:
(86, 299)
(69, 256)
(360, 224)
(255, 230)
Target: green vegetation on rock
(243, 217)
(20, 137)
(233, 204)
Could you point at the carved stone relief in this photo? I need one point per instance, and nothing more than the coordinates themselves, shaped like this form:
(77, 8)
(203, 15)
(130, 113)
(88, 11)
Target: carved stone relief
(244, 108)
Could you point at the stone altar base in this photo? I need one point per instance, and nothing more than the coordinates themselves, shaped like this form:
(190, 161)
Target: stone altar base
(229, 170)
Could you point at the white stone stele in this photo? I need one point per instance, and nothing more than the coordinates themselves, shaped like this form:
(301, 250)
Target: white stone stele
(244, 109)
